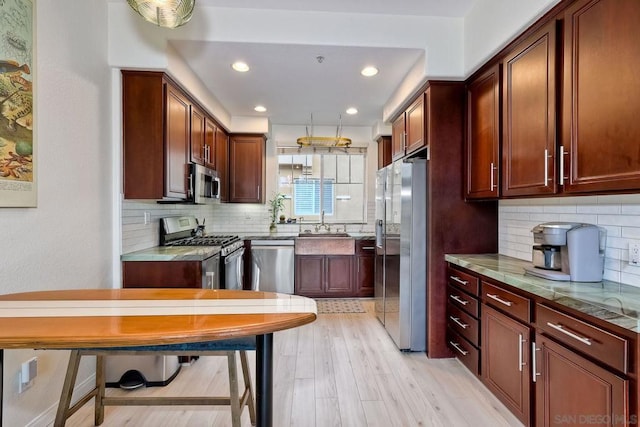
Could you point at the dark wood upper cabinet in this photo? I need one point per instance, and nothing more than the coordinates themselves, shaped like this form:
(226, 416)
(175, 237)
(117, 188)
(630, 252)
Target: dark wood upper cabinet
(246, 168)
(177, 141)
(408, 133)
(601, 130)
(384, 151)
(197, 135)
(222, 162)
(210, 130)
(529, 116)
(483, 135)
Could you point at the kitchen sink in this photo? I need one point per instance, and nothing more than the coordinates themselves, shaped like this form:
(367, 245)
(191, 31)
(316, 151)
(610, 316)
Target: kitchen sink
(324, 244)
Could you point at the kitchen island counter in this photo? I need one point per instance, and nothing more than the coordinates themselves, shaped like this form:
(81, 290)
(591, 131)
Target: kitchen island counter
(172, 253)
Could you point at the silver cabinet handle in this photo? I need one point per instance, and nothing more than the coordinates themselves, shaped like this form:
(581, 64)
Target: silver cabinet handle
(492, 168)
(457, 347)
(562, 154)
(459, 280)
(546, 167)
(500, 300)
(534, 374)
(567, 332)
(521, 341)
(404, 141)
(458, 299)
(368, 248)
(458, 322)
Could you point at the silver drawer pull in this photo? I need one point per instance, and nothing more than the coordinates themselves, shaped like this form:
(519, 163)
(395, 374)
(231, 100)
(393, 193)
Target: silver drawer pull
(457, 347)
(458, 299)
(575, 336)
(459, 280)
(368, 248)
(500, 300)
(458, 322)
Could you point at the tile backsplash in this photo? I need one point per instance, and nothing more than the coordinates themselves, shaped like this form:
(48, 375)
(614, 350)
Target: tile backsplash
(619, 215)
(224, 218)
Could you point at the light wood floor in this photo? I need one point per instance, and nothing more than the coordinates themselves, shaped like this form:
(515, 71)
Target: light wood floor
(341, 370)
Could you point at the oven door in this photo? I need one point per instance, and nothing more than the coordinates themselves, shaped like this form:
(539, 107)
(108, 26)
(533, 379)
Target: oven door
(211, 272)
(234, 270)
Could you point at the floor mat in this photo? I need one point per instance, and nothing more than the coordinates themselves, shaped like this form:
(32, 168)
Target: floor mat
(332, 306)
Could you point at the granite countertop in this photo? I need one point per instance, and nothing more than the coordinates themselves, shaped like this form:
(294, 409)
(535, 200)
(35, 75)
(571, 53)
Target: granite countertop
(278, 236)
(613, 302)
(172, 253)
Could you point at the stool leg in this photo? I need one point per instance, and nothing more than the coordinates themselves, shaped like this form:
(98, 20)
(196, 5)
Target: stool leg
(100, 385)
(67, 389)
(249, 385)
(234, 396)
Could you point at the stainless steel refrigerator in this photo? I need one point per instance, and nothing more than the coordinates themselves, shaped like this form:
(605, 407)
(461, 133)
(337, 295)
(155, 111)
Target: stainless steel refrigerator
(401, 262)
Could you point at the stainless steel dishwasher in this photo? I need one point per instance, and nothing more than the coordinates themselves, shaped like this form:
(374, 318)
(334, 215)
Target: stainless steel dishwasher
(272, 265)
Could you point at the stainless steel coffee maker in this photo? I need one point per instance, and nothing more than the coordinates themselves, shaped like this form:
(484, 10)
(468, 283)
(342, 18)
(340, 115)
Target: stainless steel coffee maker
(568, 251)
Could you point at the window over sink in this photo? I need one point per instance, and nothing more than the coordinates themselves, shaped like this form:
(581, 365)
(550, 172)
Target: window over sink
(329, 179)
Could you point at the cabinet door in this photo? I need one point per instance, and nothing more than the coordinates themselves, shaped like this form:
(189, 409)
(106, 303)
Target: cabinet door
(338, 275)
(222, 162)
(483, 135)
(177, 141)
(210, 130)
(162, 274)
(601, 130)
(246, 168)
(363, 286)
(384, 151)
(398, 138)
(571, 390)
(529, 123)
(415, 126)
(197, 136)
(505, 361)
(309, 275)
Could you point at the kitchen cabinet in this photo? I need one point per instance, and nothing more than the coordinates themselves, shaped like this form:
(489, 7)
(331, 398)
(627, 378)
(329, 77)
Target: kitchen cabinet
(156, 119)
(482, 149)
(408, 130)
(210, 131)
(505, 361)
(246, 168)
(198, 150)
(463, 323)
(222, 162)
(324, 275)
(384, 151)
(529, 116)
(364, 268)
(601, 130)
(163, 274)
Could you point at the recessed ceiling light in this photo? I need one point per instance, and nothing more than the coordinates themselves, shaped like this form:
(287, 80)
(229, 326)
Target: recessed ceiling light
(240, 66)
(260, 108)
(369, 71)
(352, 110)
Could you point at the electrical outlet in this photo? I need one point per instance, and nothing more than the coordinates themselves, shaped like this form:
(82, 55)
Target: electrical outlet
(27, 374)
(147, 218)
(634, 254)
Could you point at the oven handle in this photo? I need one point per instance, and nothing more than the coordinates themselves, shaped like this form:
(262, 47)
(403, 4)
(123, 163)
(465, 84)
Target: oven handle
(233, 255)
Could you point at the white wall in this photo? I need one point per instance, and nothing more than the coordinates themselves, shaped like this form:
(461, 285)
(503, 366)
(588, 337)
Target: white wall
(64, 243)
(619, 215)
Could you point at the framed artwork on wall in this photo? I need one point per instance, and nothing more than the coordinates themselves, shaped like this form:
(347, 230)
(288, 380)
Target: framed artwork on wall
(17, 144)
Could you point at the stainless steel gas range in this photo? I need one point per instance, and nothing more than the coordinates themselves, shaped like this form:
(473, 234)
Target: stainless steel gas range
(186, 231)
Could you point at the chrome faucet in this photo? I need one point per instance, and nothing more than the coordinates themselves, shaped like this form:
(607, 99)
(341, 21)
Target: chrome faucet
(322, 224)
(322, 217)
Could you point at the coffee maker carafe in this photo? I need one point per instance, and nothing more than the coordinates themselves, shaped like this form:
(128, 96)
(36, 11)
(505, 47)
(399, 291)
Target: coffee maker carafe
(568, 251)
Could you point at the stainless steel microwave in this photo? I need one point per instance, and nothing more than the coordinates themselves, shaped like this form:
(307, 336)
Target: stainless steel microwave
(204, 185)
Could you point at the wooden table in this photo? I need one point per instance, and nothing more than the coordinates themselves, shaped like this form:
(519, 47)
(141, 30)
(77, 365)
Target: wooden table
(105, 318)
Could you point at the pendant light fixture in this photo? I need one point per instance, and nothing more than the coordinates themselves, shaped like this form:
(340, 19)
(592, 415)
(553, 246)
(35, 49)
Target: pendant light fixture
(324, 141)
(164, 13)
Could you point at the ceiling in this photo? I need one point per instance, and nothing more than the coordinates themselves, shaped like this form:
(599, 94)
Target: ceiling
(291, 81)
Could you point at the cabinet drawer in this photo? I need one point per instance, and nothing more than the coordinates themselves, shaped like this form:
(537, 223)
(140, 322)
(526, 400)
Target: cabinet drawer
(465, 352)
(463, 323)
(591, 340)
(508, 302)
(462, 300)
(464, 281)
(365, 247)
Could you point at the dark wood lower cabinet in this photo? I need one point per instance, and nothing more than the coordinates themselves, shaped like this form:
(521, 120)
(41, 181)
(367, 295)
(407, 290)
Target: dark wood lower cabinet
(162, 274)
(572, 391)
(324, 275)
(505, 361)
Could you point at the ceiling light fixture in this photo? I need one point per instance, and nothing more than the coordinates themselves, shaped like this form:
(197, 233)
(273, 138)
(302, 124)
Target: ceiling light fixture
(240, 67)
(324, 141)
(164, 13)
(369, 71)
(352, 111)
(260, 108)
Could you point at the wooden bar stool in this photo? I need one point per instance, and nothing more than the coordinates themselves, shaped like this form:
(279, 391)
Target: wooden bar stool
(227, 348)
